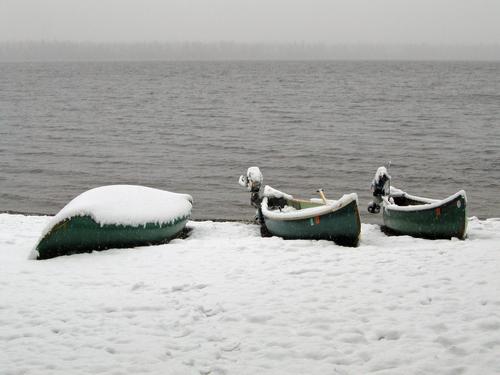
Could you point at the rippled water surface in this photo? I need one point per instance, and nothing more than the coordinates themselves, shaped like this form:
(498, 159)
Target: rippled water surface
(194, 127)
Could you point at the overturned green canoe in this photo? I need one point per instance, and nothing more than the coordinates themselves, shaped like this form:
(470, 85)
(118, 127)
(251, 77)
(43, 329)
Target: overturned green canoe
(115, 216)
(82, 234)
(290, 218)
(427, 218)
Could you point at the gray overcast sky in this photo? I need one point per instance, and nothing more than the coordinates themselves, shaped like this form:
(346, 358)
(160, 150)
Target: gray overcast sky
(310, 21)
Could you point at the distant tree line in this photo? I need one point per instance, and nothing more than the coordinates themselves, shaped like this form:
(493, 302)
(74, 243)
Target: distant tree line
(73, 51)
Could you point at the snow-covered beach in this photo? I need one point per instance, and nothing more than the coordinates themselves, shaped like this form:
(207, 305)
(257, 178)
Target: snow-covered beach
(226, 301)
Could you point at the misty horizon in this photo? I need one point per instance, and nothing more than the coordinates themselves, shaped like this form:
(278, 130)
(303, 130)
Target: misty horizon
(273, 21)
(224, 50)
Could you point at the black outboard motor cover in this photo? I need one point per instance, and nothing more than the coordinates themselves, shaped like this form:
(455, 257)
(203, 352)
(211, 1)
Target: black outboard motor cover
(381, 186)
(253, 182)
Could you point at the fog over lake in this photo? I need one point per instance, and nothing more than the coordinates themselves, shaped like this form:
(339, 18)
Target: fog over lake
(451, 22)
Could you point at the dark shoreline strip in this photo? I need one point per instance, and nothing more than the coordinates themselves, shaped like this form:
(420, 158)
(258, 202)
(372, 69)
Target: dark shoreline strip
(10, 212)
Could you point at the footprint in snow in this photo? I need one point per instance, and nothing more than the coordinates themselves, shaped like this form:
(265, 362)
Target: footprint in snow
(304, 270)
(139, 285)
(489, 324)
(185, 287)
(259, 318)
(389, 334)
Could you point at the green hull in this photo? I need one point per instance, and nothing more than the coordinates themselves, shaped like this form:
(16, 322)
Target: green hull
(341, 226)
(445, 220)
(82, 234)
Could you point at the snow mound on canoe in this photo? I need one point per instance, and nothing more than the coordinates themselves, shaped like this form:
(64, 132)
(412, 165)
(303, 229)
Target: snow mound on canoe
(126, 205)
(270, 192)
(381, 172)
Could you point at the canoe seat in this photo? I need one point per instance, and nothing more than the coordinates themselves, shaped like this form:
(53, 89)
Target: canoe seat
(400, 200)
(276, 203)
(403, 200)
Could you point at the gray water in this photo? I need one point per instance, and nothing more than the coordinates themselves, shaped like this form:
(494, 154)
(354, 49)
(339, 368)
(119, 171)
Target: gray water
(194, 127)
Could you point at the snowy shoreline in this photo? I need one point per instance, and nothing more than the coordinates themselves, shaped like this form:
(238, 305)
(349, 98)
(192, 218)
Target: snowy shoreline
(226, 301)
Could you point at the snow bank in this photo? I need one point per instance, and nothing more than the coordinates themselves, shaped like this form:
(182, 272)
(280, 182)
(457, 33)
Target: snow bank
(226, 301)
(126, 205)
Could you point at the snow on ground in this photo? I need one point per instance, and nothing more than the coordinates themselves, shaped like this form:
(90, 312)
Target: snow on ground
(226, 301)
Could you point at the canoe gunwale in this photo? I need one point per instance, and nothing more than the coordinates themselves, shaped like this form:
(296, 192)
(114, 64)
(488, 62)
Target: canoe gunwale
(307, 213)
(422, 207)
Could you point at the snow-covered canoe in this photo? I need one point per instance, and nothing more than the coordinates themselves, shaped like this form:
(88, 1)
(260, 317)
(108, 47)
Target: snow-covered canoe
(415, 216)
(279, 214)
(313, 219)
(423, 217)
(114, 216)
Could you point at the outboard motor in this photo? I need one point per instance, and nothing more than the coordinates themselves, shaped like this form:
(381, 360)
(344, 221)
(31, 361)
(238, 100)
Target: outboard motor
(253, 182)
(381, 186)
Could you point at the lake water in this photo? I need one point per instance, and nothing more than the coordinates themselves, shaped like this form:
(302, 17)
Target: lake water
(194, 127)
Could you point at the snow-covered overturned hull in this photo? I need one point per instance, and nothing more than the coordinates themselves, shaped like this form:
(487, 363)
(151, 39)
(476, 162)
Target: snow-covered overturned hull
(114, 216)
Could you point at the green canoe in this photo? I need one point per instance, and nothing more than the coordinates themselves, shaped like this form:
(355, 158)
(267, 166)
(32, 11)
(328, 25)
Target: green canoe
(116, 216)
(279, 214)
(82, 234)
(417, 216)
(337, 221)
(427, 218)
